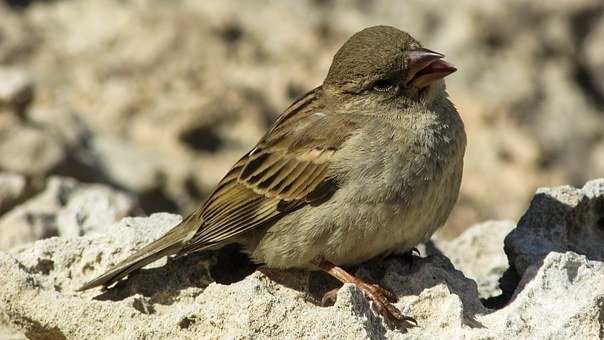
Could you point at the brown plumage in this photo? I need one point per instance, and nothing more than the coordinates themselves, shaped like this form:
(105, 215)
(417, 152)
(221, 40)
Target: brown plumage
(372, 157)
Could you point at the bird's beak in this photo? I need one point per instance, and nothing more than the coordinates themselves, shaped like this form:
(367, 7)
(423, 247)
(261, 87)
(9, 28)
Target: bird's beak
(424, 67)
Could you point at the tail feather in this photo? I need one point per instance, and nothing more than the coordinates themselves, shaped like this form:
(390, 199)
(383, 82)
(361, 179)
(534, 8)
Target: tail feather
(169, 244)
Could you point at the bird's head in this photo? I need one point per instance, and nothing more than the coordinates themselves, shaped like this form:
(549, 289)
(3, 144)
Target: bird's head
(384, 65)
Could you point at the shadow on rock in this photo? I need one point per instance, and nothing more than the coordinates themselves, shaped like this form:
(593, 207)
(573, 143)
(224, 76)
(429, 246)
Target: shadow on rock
(559, 220)
(163, 284)
(405, 275)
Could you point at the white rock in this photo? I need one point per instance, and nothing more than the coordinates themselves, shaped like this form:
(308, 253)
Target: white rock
(594, 54)
(558, 297)
(478, 253)
(28, 150)
(12, 188)
(16, 86)
(132, 169)
(180, 300)
(558, 220)
(65, 208)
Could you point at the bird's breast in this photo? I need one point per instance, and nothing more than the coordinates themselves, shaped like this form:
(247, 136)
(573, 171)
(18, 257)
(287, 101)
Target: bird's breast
(394, 192)
(390, 163)
(400, 189)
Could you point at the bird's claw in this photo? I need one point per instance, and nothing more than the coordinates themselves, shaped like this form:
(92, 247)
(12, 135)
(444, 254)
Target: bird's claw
(390, 296)
(383, 299)
(329, 297)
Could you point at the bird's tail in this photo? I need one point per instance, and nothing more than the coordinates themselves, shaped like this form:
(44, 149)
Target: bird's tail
(171, 243)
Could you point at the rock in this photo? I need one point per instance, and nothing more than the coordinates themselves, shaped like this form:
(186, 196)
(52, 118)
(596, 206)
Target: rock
(9, 334)
(91, 208)
(597, 160)
(29, 150)
(18, 40)
(569, 125)
(62, 123)
(559, 298)
(594, 57)
(64, 208)
(13, 188)
(16, 87)
(559, 294)
(180, 299)
(478, 253)
(126, 166)
(559, 219)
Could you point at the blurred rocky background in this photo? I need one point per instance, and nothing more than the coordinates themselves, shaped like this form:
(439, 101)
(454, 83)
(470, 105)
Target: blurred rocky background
(156, 99)
(111, 109)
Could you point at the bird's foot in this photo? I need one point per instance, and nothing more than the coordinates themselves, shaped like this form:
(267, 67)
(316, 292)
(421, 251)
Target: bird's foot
(330, 297)
(381, 297)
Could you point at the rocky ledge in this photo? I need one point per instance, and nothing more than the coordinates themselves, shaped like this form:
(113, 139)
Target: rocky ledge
(549, 283)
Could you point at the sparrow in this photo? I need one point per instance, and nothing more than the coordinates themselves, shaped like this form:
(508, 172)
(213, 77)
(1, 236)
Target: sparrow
(365, 165)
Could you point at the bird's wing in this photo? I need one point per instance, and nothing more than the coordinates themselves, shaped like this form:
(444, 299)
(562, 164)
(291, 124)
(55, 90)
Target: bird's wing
(288, 168)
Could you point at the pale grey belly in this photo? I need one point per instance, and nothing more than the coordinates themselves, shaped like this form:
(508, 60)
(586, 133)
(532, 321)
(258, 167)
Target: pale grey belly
(346, 231)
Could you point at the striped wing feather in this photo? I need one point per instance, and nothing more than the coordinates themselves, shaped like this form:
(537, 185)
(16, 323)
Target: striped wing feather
(284, 171)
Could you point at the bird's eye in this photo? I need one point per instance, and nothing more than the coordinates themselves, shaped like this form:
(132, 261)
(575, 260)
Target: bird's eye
(384, 85)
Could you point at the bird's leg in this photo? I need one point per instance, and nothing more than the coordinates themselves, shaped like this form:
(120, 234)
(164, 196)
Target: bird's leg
(382, 298)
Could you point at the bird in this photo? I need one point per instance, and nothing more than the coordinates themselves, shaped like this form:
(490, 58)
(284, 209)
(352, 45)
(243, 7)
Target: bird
(367, 164)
